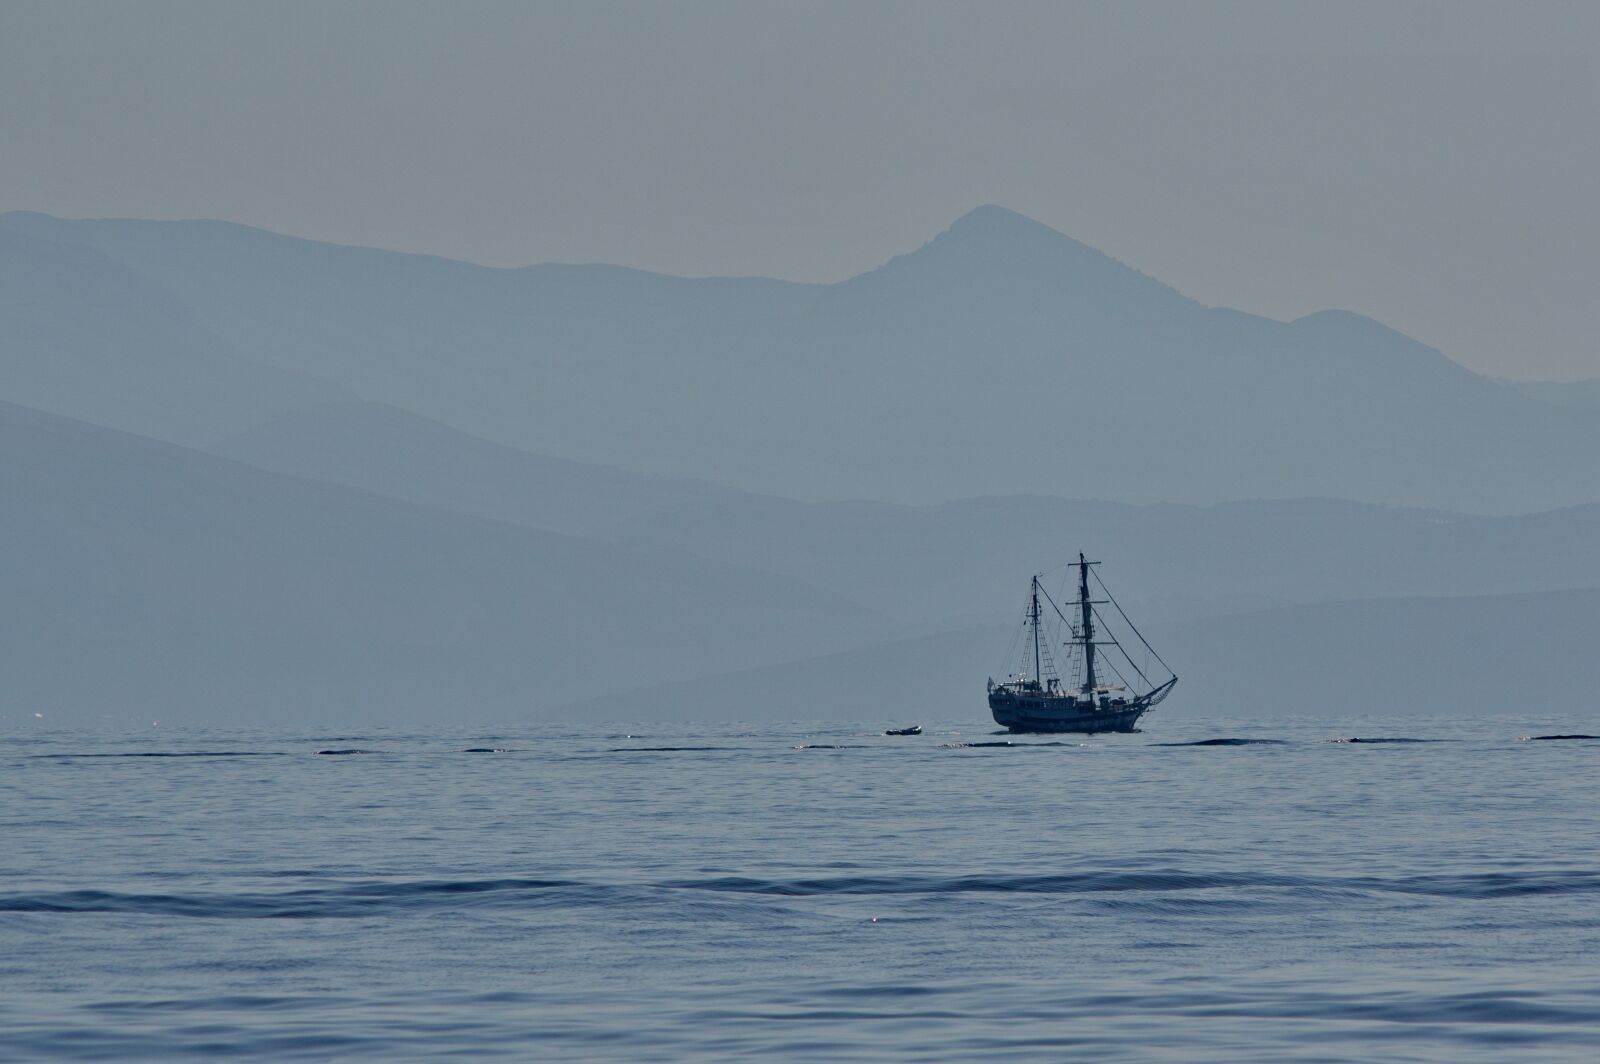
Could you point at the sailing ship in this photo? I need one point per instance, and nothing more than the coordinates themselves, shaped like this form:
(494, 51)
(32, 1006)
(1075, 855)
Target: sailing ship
(1040, 699)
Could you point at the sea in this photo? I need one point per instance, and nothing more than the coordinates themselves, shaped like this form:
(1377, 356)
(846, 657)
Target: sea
(1381, 889)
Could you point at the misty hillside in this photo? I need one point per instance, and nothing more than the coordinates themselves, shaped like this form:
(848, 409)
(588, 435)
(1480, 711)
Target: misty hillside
(394, 452)
(1505, 656)
(436, 489)
(1001, 358)
(84, 335)
(142, 578)
(970, 561)
(1581, 395)
(947, 563)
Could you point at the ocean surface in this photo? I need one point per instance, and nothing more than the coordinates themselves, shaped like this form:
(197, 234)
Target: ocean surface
(804, 892)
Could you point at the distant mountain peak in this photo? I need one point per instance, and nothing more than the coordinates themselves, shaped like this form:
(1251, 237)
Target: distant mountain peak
(993, 241)
(992, 218)
(991, 227)
(1356, 335)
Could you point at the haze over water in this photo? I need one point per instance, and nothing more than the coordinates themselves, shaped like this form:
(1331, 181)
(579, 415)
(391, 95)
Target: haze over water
(803, 892)
(373, 372)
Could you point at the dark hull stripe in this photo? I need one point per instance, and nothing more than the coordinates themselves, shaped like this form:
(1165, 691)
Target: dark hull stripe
(1020, 716)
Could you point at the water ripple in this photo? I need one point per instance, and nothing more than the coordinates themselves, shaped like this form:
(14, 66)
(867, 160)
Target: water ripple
(1228, 742)
(368, 897)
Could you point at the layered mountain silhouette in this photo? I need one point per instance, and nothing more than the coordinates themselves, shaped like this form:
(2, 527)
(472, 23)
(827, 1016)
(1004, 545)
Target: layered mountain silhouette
(946, 564)
(409, 488)
(1583, 395)
(1002, 357)
(395, 452)
(85, 335)
(142, 578)
(1395, 658)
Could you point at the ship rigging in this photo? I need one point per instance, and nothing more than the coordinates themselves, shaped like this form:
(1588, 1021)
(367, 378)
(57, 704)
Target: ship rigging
(1040, 699)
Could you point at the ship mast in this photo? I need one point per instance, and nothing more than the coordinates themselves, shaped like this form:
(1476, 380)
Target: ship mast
(1033, 618)
(1088, 625)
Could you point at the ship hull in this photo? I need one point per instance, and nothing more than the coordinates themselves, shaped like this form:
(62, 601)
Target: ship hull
(1022, 713)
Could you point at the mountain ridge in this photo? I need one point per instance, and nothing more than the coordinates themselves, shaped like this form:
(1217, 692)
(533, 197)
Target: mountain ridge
(146, 577)
(940, 375)
(1289, 661)
(941, 563)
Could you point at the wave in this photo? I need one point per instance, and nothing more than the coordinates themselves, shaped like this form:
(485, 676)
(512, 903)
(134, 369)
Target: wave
(1228, 742)
(173, 753)
(958, 745)
(366, 898)
(668, 749)
(967, 746)
(347, 900)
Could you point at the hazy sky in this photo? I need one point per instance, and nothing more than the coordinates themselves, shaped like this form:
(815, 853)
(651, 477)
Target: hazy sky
(1434, 165)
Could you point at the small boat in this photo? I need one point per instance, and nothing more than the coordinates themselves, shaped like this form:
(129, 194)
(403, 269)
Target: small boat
(1039, 699)
(915, 729)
